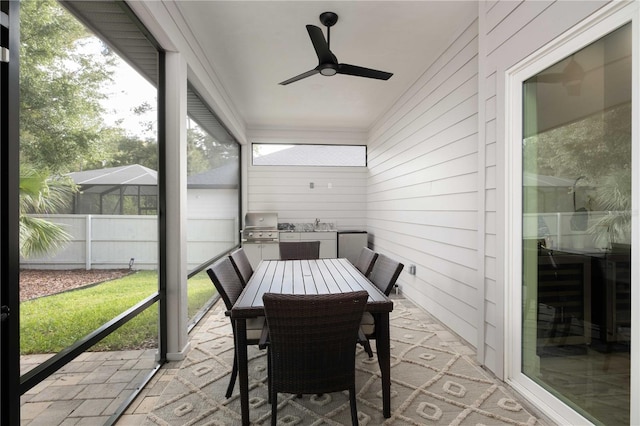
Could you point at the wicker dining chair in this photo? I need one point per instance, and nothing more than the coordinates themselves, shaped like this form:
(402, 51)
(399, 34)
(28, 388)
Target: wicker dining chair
(366, 260)
(241, 264)
(384, 274)
(229, 286)
(299, 250)
(312, 341)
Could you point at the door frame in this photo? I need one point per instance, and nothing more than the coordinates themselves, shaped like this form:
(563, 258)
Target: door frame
(9, 215)
(607, 19)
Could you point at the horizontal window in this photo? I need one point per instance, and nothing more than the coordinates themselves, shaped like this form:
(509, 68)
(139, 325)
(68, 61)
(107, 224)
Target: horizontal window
(309, 155)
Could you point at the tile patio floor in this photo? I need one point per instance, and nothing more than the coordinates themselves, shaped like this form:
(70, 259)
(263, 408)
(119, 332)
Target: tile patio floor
(90, 389)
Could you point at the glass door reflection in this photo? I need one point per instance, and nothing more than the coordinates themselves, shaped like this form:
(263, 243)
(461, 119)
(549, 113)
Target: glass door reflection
(577, 229)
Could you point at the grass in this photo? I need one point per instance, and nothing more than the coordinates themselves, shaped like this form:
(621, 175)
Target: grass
(49, 324)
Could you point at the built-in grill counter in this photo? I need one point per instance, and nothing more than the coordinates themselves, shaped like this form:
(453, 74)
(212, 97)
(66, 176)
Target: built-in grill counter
(324, 232)
(262, 234)
(260, 237)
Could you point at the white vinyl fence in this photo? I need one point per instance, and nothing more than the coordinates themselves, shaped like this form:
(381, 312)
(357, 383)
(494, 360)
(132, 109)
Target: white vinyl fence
(116, 242)
(570, 231)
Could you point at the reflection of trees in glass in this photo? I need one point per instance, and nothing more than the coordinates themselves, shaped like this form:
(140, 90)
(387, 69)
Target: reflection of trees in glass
(598, 148)
(204, 152)
(592, 147)
(614, 196)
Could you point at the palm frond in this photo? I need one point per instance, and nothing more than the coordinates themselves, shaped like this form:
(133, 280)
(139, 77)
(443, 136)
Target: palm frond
(40, 237)
(42, 193)
(613, 195)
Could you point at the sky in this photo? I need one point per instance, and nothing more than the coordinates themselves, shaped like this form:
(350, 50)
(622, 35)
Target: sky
(128, 92)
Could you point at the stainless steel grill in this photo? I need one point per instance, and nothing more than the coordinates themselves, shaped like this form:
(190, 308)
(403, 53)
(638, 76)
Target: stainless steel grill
(260, 228)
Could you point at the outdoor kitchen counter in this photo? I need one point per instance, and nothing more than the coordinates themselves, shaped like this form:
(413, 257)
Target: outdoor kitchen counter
(328, 240)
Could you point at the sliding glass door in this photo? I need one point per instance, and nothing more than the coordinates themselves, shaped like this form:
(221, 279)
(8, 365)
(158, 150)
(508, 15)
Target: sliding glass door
(576, 228)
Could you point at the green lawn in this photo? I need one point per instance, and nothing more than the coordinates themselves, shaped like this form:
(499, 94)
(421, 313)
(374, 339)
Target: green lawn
(49, 324)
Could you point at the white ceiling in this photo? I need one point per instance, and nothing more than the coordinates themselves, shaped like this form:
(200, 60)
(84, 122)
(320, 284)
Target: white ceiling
(254, 45)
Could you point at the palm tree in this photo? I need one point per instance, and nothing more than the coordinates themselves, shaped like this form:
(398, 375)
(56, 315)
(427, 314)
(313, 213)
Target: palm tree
(41, 193)
(613, 195)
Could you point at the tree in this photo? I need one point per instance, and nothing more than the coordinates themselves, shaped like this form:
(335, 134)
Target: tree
(60, 89)
(205, 152)
(593, 147)
(121, 149)
(596, 151)
(41, 193)
(60, 116)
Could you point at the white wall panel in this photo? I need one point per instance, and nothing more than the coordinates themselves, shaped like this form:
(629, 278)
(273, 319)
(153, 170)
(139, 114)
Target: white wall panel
(490, 177)
(450, 144)
(490, 108)
(338, 195)
(438, 105)
(420, 92)
(427, 300)
(499, 12)
(462, 220)
(491, 273)
(517, 20)
(490, 245)
(490, 289)
(457, 124)
(490, 223)
(490, 154)
(287, 191)
(423, 186)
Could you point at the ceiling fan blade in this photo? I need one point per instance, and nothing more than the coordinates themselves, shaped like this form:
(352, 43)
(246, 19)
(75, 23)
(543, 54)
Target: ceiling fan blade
(363, 72)
(320, 45)
(301, 76)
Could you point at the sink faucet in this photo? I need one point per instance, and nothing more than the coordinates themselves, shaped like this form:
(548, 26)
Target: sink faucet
(317, 223)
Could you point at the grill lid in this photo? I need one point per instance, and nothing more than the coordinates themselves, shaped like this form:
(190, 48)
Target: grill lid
(260, 227)
(261, 221)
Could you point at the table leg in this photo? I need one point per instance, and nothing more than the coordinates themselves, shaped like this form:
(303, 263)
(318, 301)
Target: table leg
(243, 370)
(383, 347)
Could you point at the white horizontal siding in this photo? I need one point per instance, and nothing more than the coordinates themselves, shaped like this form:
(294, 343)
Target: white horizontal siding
(423, 186)
(462, 220)
(286, 190)
(338, 195)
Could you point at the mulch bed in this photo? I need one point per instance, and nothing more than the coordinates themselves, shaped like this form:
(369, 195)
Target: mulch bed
(44, 282)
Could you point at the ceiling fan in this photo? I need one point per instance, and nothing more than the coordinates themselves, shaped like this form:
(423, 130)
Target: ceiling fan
(327, 62)
(571, 77)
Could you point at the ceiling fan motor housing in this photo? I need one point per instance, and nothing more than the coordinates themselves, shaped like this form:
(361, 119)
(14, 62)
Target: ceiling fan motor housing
(328, 69)
(328, 19)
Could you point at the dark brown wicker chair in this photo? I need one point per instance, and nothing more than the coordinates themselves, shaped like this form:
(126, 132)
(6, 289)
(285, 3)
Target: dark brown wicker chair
(229, 286)
(384, 274)
(366, 260)
(312, 341)
(241, 264)
(299, 250)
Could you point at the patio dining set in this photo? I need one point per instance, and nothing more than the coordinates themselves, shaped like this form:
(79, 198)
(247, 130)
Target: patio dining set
(308, 314)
